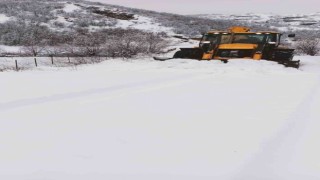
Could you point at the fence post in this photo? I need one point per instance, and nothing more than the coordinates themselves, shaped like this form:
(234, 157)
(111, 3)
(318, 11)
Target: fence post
(51, 59)
(16, 65)
(35, 62)
(69, 60)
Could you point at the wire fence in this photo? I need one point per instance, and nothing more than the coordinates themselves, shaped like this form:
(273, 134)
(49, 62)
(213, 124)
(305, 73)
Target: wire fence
(24, 63)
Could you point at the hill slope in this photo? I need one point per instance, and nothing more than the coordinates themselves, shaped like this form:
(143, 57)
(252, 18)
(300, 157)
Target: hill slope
(305, 25)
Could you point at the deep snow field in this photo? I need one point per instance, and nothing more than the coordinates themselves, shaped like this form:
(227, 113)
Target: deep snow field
(151, 120)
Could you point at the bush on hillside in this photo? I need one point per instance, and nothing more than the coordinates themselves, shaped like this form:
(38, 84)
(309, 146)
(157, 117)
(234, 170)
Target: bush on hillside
(309, 46)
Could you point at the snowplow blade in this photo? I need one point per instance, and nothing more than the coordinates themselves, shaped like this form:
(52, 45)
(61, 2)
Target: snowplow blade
(293, 64)
(184, 53)
(284, 57)
(189, 53)
(162, 58)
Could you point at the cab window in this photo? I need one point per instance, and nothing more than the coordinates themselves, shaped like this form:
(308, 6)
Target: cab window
(225, 38)
(210, 37)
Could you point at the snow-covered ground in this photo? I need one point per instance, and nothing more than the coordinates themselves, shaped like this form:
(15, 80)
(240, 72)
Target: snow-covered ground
(69, 7)
(143, 23)
(178, 119)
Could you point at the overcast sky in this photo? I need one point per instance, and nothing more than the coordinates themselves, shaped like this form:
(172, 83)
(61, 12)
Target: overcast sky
(222, 6)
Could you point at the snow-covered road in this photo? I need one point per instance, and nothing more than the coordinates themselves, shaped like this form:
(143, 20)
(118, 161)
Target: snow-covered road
(177, 119)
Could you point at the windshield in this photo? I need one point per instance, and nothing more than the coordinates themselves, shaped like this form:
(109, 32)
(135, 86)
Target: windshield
(245, 38)
(249, 38)
(225, 38)
(214, 38)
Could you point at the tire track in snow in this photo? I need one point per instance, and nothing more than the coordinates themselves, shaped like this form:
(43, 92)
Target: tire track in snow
(275, 161)
(129, 88)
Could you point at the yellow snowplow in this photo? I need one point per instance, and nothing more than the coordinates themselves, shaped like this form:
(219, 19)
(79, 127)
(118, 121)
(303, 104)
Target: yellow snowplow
(239, 42)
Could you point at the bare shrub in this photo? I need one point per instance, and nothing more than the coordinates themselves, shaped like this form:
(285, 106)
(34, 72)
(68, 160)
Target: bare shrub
(32, 50)
(89, 44)
(308, 46)
(131, 44)
(53, 50)
(127, 43)
(79, 60)
(70, 49)
(2, 52)
(35, 39)
(156, 42)
(95, 59)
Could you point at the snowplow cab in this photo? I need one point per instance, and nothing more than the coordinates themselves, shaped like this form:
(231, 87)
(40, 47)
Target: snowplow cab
(239, 42)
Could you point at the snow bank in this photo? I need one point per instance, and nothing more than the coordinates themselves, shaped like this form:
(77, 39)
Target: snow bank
(10, 49)
(70, 8)
(3, 18)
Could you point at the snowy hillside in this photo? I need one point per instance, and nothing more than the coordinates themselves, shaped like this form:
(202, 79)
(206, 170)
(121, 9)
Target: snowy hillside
(292, 22)
(78, 14)
(179, 119)
(80, 28)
